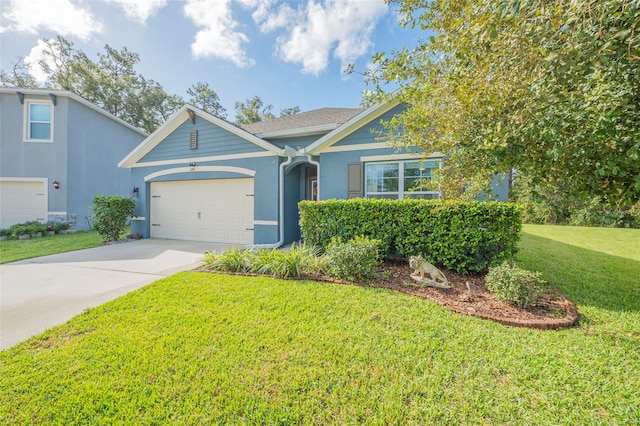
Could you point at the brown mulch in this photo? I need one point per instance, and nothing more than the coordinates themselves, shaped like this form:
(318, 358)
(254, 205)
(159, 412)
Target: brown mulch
(553, 310)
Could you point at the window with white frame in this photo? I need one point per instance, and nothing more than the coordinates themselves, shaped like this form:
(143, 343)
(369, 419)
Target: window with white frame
(38, 121)
(401, 179)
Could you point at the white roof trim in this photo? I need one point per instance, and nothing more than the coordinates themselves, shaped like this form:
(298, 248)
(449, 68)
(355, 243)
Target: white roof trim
(175, 121)
(402, 156)
(73, 96)
(349, 127)
(358, 147)
(206, 159)
(303, 131)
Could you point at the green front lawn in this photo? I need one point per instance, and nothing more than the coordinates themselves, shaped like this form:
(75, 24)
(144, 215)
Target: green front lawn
(599, 268)
(13, 250)
(197, 348)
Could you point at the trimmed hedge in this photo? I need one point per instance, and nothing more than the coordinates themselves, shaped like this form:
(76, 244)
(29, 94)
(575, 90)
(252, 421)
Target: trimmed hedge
(462, 236)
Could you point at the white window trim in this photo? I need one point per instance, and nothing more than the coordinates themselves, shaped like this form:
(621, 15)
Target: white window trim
(26, 137)
(401, 192)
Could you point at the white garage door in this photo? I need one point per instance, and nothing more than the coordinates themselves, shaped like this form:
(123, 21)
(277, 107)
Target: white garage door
(218, 210)
(22, 201)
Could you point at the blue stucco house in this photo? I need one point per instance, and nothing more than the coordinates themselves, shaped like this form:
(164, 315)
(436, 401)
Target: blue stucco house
(202, 178)
(57, 151)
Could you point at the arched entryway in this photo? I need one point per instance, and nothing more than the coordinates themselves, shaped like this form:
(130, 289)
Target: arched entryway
(300, 183)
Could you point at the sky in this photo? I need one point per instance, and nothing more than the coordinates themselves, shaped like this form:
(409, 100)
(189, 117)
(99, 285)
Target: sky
(290, 53)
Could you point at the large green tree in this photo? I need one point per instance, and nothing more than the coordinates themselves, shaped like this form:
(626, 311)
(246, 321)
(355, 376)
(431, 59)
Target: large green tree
(111, 83)
(548, 87)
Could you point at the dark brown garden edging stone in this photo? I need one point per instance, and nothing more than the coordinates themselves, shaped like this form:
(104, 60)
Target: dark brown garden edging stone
(543, 324)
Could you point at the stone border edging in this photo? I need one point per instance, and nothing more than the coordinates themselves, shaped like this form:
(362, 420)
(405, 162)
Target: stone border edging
(547, 324)
(569, 320)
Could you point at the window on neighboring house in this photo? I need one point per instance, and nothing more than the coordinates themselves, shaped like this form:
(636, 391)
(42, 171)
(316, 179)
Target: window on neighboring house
(39, 122)
(400, 179)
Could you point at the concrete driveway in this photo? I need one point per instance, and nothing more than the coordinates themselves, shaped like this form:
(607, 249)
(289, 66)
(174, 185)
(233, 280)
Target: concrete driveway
(36, 294)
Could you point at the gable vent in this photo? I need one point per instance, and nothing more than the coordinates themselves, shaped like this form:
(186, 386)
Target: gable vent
(193, 139)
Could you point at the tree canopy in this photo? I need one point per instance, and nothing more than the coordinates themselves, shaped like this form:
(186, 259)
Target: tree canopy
(254, 110)
(111, 83)
(205, 98)
(550, 88)
(285, 112)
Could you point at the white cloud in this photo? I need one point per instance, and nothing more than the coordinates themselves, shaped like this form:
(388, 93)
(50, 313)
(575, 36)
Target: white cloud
(61, 16)
(36, 54)
(315, 31)
(218, 36)
(140, 10)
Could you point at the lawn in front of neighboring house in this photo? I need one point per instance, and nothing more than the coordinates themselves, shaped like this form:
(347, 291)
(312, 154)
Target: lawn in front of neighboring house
(198, 348)
(14, 250)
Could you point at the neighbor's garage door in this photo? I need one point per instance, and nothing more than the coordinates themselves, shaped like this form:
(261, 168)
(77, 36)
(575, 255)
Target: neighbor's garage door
(218, 210)
(22, 202)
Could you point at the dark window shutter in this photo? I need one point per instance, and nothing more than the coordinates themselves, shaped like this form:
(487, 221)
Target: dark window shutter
(193, 139)
(354, 180)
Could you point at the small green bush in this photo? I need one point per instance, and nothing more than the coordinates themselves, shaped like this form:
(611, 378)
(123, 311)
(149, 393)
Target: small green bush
(110, 215)
(354, 260)
(515, 285)
(295, 262)
(19, 229)
(61, 226)
(30, 228)
(315, 264)
(232, 260)
(36, 227)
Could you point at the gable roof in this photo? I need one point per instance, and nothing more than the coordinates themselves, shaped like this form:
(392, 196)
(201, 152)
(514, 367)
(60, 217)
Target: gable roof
(179, 117)
(302, 124)
(349, 127)
(70, 95)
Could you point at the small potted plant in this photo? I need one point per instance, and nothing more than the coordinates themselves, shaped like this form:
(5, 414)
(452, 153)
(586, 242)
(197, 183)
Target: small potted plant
(35, 228)
(21, 231)
(5, 233)
(62, 228)
(50, 228)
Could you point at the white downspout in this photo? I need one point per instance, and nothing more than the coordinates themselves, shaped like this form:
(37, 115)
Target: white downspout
(281, 207)
(317, 164)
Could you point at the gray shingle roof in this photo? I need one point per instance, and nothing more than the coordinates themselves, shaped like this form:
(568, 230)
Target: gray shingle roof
(318, 117)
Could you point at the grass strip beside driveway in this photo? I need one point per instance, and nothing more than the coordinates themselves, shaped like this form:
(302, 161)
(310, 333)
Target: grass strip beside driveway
(14, 250)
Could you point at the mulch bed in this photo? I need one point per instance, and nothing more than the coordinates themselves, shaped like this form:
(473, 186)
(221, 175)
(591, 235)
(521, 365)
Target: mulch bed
(552, 311)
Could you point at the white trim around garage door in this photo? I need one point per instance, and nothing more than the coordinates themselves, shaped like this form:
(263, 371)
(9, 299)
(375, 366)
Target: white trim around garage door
(45, 182)
(228, 169)
(24, 179)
